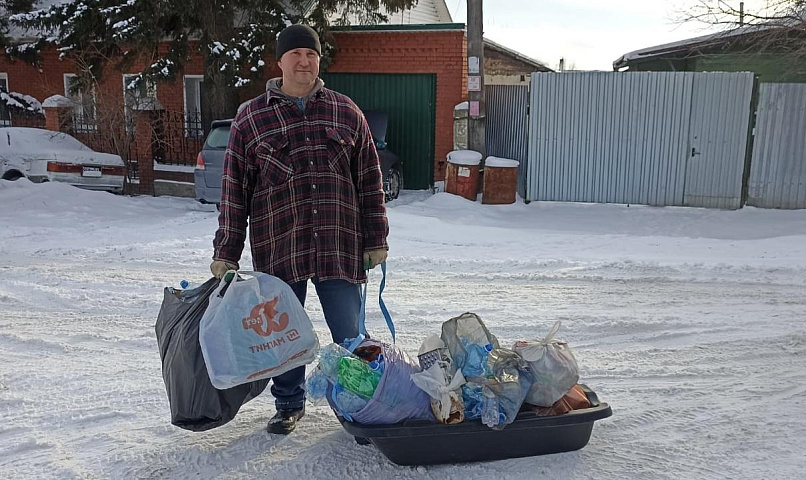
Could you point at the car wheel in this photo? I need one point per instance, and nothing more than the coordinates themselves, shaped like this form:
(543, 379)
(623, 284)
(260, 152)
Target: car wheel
(395, 184)
(12, 176)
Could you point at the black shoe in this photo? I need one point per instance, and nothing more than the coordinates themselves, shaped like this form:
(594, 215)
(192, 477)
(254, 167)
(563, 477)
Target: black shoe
(285, 421)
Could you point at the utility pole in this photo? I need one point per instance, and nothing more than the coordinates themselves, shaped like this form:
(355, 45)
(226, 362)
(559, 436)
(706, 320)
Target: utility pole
(475, 77)
(741, 14)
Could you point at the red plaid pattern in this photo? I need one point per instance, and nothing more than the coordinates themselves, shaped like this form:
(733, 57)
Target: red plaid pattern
(309, 185)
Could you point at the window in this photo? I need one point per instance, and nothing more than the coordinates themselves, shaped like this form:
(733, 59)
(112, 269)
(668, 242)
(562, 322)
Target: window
(83, 105)
(193, 99)
(5, 115)
(141, 96)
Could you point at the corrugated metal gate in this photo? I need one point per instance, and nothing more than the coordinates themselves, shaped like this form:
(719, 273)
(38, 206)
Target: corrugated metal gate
(778, 169)
(410, 100)
(656, 138)
(506, 131)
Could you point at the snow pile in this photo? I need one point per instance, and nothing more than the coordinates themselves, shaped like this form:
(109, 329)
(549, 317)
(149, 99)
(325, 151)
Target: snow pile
(464, 157)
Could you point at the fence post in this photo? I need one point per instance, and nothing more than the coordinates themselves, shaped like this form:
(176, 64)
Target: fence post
(58, 113)
(143, 143)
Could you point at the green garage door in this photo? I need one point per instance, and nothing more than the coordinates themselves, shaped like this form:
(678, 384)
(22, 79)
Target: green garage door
(410, 100)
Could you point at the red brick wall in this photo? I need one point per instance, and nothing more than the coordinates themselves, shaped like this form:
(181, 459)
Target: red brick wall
(439, 52)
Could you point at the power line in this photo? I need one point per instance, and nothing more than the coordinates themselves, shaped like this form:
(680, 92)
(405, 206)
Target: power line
(456, 9)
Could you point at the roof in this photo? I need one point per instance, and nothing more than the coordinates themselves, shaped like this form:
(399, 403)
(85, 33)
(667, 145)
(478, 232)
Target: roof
(512, 53)
(707, 41)
(687, 45)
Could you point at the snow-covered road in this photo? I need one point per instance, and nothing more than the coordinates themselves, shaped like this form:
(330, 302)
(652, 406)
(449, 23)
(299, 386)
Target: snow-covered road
(691, 323)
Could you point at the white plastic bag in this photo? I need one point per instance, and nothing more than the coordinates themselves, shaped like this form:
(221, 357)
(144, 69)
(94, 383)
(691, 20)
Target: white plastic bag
(446, 397)
(255, 329)
(553, 367)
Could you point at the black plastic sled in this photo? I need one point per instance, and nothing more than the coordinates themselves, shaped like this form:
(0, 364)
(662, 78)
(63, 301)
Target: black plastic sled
(423, 443)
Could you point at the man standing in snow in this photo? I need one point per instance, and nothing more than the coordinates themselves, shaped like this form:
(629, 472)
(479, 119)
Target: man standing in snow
(301, 168)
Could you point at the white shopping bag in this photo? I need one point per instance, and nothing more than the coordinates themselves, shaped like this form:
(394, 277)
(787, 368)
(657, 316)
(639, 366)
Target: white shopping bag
(254, 328)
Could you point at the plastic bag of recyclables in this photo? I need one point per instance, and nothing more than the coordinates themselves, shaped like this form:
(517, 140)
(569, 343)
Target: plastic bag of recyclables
(254, 328)
(370, 386)
(498, 379)
(553, 366)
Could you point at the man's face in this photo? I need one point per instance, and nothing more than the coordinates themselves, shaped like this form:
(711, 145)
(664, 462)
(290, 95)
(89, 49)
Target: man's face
(300, 66)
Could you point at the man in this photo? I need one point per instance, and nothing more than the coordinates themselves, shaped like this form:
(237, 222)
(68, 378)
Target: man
(302, 169)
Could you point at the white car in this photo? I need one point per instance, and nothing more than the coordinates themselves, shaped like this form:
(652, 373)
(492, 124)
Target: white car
(46, 156)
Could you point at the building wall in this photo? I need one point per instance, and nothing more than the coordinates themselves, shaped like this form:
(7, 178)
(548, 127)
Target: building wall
(497, 63)
(768, 68)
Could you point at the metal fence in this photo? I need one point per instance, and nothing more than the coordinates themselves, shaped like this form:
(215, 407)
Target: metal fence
(656, 138)
(177, 138)
(15, 117)
(778, 166)
(506, 131)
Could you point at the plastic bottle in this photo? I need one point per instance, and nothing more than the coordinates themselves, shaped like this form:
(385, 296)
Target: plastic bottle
(316, 386)
(329, 360)
(490, 415)
(473, 400)
(476, 364)
(357, 376)
(348, 401)
(378, 365)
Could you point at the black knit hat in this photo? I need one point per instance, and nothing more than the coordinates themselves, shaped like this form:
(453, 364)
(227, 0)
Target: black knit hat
(297, 36)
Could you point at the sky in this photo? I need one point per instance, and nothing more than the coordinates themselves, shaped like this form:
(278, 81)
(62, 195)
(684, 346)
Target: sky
(687, 321)
(590, 35)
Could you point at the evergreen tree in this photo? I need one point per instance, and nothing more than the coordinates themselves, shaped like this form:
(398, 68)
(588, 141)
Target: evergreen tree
(234, 37)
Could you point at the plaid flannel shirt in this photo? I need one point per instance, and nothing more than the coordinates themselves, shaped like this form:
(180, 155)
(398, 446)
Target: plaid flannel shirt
(309, 185)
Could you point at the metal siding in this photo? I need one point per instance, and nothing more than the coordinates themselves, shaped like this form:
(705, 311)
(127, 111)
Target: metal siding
(720, 115)
(506, 126)
(624, 137)
(410, 100)
(604, 137)
(778, 167)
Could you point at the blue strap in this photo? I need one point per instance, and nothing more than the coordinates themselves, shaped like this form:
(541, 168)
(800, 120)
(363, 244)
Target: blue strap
(362, 328)
(385, 311)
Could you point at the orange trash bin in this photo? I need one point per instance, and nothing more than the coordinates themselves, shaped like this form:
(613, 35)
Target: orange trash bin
(500, 181)
(462, 173)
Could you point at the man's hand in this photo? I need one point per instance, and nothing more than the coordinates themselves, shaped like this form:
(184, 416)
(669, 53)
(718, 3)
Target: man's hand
(220, 267)
(373, 258)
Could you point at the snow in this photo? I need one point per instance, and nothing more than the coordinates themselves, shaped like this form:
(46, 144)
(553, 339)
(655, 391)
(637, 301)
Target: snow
(57, 101)
(501, 162)
(464, 157)
(689, 322)
(167, 167)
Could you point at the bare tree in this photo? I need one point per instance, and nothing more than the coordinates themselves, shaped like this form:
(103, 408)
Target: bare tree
(772, 26)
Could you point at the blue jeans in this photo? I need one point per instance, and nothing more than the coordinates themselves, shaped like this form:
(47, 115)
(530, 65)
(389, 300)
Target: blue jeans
(341, 304)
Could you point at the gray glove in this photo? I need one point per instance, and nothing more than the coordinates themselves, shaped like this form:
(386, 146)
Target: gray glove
(220, 267)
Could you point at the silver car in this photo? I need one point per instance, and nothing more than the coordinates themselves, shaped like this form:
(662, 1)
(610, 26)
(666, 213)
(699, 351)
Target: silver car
(210, 163)
(46, 156)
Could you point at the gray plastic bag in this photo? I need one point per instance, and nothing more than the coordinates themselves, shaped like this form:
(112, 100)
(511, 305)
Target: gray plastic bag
(195, 404)
(466, 329)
